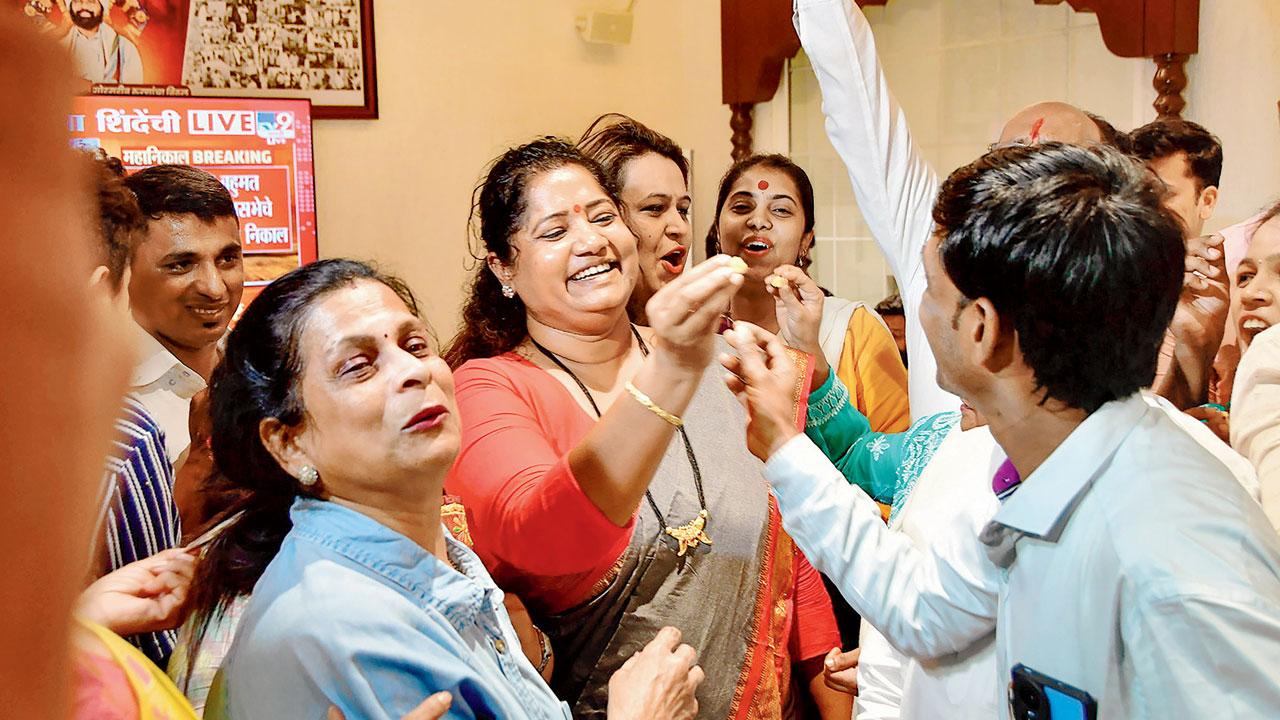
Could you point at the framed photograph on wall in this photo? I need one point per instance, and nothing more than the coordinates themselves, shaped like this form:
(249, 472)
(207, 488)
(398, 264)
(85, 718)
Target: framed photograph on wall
(321, 50)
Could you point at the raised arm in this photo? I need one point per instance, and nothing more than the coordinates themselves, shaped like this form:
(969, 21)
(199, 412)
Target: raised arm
(615, 462)
(1185, 370)
(894, 186)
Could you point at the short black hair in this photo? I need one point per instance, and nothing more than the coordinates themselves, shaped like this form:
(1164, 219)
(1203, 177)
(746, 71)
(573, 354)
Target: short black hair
(1075, 250)
(891, 305)
(1165, 137)
(181, 190)
(1110, 135)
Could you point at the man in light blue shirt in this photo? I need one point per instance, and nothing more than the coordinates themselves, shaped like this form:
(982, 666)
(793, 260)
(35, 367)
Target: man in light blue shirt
(1127, 563)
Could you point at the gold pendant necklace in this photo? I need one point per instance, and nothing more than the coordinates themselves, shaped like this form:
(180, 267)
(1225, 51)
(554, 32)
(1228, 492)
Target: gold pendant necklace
(691, 534)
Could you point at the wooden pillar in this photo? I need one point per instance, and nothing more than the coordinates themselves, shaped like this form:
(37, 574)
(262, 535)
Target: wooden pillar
(1169, 81)
(756, 39)
(1167, 31)
(740, 122)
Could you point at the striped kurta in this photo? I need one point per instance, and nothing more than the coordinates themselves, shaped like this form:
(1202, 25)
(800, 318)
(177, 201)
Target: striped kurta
(139, 517)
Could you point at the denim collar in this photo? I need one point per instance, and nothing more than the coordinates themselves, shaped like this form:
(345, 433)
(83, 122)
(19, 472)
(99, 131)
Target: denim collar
(417, 574)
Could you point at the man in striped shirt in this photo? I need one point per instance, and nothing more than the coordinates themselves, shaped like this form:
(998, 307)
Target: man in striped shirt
(138, 517)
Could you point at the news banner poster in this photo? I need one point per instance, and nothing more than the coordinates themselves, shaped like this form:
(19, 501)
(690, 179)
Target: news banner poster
(259, 149)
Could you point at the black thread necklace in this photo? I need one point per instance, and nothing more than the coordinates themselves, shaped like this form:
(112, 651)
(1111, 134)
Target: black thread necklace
(687, 536)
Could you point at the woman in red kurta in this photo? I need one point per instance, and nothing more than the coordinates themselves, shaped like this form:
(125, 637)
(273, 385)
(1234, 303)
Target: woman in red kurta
(586, 499)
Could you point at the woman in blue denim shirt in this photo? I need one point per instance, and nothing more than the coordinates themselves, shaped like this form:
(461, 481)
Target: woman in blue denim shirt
(334, 415)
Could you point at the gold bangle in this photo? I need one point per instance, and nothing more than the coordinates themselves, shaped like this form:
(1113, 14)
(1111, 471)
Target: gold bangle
(652, 406)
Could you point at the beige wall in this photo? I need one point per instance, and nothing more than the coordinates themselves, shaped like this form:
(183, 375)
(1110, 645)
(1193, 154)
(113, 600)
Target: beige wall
(961, 67)
(1233, 89)
(460, 82)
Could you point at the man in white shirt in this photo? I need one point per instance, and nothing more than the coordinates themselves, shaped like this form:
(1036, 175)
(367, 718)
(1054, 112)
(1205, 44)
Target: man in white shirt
(100, 53)
(895, 189)
(947, 507)
(187, 280)
(1130, 565)
(165, 387)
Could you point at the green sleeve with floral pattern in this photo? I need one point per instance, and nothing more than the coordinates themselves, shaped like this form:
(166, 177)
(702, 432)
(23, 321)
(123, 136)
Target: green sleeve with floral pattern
(866, 458)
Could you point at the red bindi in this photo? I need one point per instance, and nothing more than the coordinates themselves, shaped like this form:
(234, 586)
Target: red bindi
(577, 208)
(1035, 130)
(763, 184)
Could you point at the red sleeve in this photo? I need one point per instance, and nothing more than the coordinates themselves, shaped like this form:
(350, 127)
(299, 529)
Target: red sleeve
(532, 523)
(814, 631)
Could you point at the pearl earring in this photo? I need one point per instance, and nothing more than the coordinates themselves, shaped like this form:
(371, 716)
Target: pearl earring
(308, 476)
(508, 292)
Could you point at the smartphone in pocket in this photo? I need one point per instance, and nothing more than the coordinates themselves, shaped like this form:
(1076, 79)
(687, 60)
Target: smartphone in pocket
(1036, 696)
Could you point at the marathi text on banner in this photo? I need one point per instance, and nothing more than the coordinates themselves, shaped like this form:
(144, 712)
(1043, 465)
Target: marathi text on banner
(266, 236)
(140, 121)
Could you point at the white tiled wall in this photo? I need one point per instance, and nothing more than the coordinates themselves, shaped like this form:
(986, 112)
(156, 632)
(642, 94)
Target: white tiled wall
(959, 68)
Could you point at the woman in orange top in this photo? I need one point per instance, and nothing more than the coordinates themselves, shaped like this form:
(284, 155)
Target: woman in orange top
(764, 215)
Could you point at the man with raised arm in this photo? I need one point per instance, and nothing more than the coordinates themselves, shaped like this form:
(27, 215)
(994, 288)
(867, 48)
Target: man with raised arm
(894, 185)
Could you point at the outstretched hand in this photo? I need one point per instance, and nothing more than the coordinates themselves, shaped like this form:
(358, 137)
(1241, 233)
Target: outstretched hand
(762, 376)
(143, 596)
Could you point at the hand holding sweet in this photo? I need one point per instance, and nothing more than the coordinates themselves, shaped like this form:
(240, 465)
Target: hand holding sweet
(798, 303)
(685, 314)
(762, 376)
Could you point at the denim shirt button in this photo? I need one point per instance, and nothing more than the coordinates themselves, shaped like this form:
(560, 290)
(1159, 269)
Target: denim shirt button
(500, 645)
